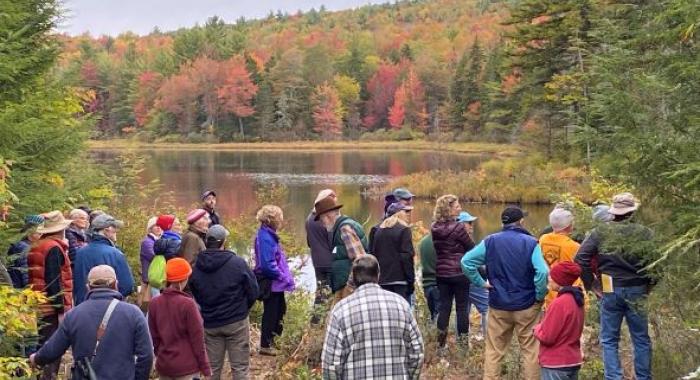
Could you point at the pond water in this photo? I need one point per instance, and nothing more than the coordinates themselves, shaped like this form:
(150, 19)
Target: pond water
(237, 175)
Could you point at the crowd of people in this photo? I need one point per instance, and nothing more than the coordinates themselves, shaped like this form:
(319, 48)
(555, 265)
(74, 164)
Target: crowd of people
(195, 295)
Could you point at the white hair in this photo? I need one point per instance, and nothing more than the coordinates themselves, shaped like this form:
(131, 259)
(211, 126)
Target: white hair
(560, 219)
(76, 212)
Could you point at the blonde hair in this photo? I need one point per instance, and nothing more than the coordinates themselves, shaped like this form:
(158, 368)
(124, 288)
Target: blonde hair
(394, 219)
(270, 215)
(443, 206)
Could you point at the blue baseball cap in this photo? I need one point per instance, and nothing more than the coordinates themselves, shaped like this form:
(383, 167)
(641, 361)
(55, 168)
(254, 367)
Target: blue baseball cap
(465, 217)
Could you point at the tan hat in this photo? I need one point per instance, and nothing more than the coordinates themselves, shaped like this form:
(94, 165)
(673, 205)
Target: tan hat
(102, 275)
(624, 204)
(53, 222)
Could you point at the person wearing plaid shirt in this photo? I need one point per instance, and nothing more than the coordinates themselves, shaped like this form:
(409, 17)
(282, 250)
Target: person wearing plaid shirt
(372, 333)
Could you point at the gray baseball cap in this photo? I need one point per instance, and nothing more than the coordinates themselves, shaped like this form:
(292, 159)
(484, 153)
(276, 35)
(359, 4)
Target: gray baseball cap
(103, 221)
(217, 232)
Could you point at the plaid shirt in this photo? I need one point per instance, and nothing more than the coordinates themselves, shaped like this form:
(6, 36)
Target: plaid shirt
(352, 243)
(372, 334)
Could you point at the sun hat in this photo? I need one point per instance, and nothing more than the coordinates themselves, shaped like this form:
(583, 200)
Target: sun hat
(624, 204)
(207, 193)
(103, 221)
(195, 215)
(165, 222)
(326, 205)
(512, 214)
(177, 269)
(396, 207)
(402, 193)
(465, 217)
(31, 222)
(102, 275)
(560, 219)
(565, 273)
(53, 222)
(217, 232)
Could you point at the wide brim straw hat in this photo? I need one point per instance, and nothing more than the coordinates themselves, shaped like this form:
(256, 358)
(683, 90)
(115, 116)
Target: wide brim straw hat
(53, 222)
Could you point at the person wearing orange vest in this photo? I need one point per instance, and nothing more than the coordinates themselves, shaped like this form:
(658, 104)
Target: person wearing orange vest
(50, 273)
(558, 246)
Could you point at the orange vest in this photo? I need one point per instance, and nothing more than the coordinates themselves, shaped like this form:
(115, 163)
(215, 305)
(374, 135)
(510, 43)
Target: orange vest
(555, 249)
(36, 261)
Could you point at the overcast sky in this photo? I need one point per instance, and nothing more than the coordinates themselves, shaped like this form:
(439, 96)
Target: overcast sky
(141, 16)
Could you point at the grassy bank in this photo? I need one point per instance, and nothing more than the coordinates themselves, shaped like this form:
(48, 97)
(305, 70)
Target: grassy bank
(510, 180)
(466, 148)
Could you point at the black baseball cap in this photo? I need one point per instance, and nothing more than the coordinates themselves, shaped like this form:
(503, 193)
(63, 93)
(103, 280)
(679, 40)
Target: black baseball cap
(207, 193)
(512, 214)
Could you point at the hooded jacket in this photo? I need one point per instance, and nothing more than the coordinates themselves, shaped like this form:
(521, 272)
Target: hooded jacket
(125, 350)
(560, 331)
(451, 242)
(223, 286)
(166, 247)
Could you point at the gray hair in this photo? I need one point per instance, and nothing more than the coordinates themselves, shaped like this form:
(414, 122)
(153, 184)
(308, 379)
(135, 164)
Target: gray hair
(74, 213)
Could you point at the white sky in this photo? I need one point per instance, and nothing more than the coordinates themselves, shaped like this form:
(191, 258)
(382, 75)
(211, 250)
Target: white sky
(113, 17)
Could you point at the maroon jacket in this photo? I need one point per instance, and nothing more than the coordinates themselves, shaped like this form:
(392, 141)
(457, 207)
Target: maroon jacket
(451, 242)
(178, 335)
(560, 331)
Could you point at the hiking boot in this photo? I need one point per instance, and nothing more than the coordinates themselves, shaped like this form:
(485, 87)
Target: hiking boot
(267, 351)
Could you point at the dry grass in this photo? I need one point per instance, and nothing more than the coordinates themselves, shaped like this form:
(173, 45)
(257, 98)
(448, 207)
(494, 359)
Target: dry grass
(467, 148)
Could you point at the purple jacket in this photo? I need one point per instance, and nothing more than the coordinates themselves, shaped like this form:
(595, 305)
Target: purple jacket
(147, 255)
(451, 242)
(270, 260)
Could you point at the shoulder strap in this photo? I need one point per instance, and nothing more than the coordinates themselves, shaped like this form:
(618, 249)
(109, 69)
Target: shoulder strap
(103, 325)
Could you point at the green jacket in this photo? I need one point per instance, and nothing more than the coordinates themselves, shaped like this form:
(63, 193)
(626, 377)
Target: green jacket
(341, 265)
(428, 260)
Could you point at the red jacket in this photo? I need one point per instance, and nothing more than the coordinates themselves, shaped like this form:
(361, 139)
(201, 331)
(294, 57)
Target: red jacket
(178, 335)
(560, 331)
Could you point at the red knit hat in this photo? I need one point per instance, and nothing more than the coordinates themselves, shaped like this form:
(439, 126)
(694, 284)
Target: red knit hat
(165, 222)
(177, 269)
(195, 215)
(565, 273)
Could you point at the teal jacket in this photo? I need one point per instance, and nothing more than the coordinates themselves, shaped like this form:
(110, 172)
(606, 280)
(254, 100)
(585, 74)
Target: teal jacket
(341, 265)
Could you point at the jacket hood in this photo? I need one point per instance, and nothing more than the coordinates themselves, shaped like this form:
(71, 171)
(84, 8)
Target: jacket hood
(210, 261)
(574, 291)
(443, 230)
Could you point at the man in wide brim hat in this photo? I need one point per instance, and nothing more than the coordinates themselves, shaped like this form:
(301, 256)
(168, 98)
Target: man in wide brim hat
(624, 204)
(53, 222)
(326, 205)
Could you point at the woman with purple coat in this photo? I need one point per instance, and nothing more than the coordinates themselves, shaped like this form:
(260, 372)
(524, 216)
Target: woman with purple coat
(271, 264)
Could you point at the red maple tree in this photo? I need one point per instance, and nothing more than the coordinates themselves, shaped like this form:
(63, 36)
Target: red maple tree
(238, 90)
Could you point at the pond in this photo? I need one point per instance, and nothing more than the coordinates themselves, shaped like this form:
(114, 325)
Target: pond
(237, 175)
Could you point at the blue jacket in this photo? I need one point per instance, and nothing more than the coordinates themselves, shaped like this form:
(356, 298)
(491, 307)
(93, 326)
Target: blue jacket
(271, 261)
(100, 251)
(516, 268)
(223, 286)
(19, 269)
(125, 350)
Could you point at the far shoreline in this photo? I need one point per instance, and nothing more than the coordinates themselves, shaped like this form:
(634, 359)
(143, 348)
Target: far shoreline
(501, 150)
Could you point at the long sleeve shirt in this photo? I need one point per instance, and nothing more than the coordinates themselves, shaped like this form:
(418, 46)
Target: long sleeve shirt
(372, 334)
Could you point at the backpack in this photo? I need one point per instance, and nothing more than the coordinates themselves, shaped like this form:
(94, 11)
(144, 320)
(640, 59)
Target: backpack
(156, 272)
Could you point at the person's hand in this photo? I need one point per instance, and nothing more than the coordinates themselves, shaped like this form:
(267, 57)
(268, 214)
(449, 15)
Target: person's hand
(32, 361)
(488, 285)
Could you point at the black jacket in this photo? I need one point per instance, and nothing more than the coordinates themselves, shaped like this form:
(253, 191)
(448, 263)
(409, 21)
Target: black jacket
(393, 248)
(319, 241)
(622, 250)
(223, 286)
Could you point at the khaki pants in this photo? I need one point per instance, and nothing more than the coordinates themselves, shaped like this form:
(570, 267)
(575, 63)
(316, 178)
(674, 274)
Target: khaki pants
(499, 333)
(234, 339)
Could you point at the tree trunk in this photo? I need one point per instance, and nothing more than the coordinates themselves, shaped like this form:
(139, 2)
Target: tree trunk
(240, 127)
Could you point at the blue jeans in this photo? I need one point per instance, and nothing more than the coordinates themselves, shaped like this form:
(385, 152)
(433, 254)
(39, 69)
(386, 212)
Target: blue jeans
(479, 297)
(558, 374)
(432, 298)
(628, 303)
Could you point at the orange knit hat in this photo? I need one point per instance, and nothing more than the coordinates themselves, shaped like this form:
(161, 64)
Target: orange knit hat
(177, 269)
